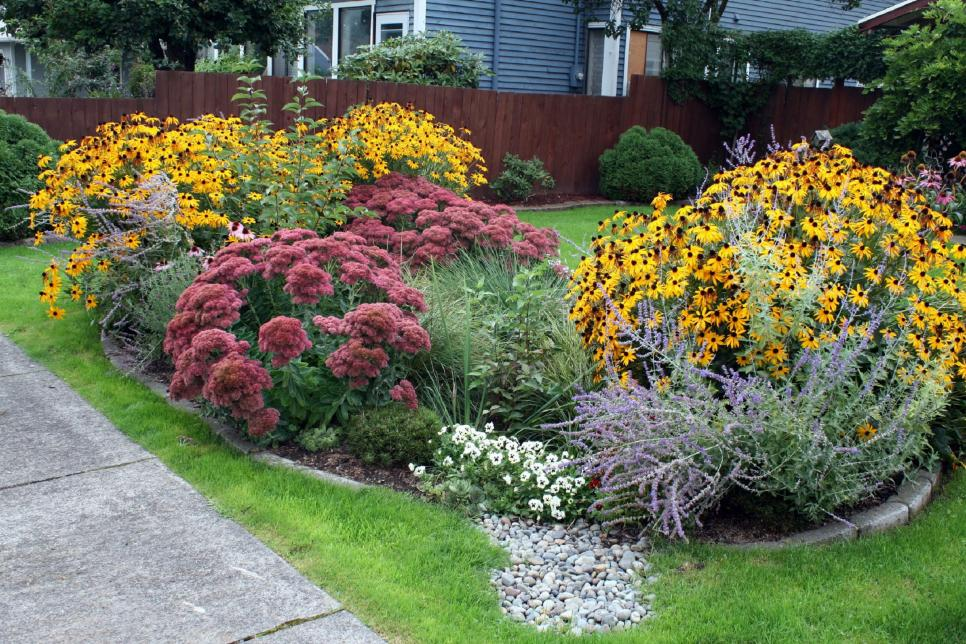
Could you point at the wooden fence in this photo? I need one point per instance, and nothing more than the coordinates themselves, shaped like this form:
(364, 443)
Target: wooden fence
(568, 132)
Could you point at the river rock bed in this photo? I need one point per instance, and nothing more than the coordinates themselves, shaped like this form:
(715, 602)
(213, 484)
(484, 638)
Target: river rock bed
(569, 578)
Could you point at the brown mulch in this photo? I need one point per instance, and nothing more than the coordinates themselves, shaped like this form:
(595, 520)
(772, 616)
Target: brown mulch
(732, 522)
(338, 461)
(546, 199)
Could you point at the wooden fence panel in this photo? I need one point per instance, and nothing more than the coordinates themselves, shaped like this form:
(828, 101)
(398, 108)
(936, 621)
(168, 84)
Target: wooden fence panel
(568, 132)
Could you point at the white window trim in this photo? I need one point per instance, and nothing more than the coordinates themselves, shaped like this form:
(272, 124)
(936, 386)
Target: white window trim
(336, 8)
(392, 17)
(627, 61)
(612, 48)
(419, 16)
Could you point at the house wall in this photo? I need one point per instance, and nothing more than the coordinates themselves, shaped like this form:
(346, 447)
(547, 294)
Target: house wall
(391, 6)
(813, 15)
(471, 20)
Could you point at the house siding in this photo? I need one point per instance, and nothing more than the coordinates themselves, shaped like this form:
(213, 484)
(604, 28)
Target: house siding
(393, 6)
(813, 15)
(471, 20)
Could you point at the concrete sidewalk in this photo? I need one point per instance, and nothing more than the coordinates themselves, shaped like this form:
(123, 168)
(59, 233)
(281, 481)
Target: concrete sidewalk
(100, 542)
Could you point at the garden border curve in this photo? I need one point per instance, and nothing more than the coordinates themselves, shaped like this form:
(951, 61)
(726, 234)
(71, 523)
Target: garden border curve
(912, 496)
(123, 363)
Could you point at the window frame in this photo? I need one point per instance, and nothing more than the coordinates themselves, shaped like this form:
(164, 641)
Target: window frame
(336, 6)
(391, 17)
(610, 64)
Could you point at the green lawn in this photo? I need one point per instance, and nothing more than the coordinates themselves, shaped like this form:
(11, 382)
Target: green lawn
(418, 573)
(575, 225)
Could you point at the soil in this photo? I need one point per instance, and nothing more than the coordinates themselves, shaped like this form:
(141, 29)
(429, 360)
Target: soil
(341, 462)
(545, 199)
(736, 522)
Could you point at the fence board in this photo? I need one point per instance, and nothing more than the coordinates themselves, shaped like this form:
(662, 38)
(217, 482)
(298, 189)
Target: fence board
(568, 132)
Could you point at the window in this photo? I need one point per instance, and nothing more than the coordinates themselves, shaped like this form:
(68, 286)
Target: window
(391, 25)
(646, 54)
(335, 33)
(602, 52)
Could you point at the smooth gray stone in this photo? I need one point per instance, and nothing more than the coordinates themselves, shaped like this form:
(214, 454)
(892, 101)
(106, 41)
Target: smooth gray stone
(13, 360)
(914, 493)
(47, 430)
(826, 534)
(880, 518)
(134, 554)
(341, 628)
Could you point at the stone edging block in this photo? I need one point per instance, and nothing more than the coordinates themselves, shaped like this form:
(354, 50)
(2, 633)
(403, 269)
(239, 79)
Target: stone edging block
(910, 499)
(123, 363)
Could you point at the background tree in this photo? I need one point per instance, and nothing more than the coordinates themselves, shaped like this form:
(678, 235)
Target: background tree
(170, 31)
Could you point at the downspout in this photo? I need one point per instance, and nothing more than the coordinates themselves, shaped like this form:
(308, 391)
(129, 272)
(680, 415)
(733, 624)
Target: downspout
(497, 25)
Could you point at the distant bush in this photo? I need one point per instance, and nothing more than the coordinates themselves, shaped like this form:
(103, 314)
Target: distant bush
(21, 144)
(520, 177)
(231, 62)
(643, 163)
(439, 59)
(868, 150)
(394, 434)
(141, 80)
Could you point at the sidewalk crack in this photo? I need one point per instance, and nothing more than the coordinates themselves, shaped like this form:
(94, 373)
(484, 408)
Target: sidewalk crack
(289, 624)
(64, 476)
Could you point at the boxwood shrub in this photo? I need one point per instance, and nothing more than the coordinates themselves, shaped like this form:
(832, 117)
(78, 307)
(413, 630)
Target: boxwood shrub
(644, 163)
(21, 143)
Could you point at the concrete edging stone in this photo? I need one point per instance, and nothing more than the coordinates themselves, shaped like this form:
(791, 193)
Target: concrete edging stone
(122, 362)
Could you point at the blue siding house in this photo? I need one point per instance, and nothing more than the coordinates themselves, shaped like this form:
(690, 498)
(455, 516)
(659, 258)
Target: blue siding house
(541, 45)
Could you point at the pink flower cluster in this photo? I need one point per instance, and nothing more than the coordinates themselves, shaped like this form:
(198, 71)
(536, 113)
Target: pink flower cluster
(210, 361)
(371, 327)
(423, 222)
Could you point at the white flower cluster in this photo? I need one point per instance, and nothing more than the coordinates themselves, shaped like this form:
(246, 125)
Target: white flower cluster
(529, 478)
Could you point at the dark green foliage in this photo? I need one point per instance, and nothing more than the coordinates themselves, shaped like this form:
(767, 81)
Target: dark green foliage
(644, 163)
(520, 177)
(924, 87)
(21, 144)
(318, 439)
(949, 432)
(439, 59)
(232, 62)
(140, 81)
(169, 31)
(393, 434)
(868, 150)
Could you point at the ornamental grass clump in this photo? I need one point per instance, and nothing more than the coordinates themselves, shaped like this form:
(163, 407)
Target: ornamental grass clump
(423, 222)
(808, 305)
(312, 328)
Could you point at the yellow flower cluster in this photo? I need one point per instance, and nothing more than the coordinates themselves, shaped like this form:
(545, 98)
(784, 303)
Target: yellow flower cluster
(773, 258)
(392, 137)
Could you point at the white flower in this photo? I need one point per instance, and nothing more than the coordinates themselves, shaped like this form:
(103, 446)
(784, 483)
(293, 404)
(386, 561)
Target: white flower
(495, 457)
(412, 467)
(525, 476)
(419, 471)
(448, 461)
(557, 514)
(542, 481)
(513, 456)
(471, 450)
(535, 505)
(507, 479)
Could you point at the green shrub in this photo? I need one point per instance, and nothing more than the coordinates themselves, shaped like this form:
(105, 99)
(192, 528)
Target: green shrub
(140, 82)
(393, 434)
(923, 90)
(439, 59)
(318, 439)
(502, 348)
(21, 143)
(520, 177)
(644, 163)
(231, 62)
(868, 150)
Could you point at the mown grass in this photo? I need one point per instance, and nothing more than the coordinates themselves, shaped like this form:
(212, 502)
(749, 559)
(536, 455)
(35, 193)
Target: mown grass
(575, 225)
(418, 573)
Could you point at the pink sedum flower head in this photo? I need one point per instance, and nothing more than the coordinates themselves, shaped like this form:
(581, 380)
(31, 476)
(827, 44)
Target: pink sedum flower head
(284, 338)
(405, 393)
